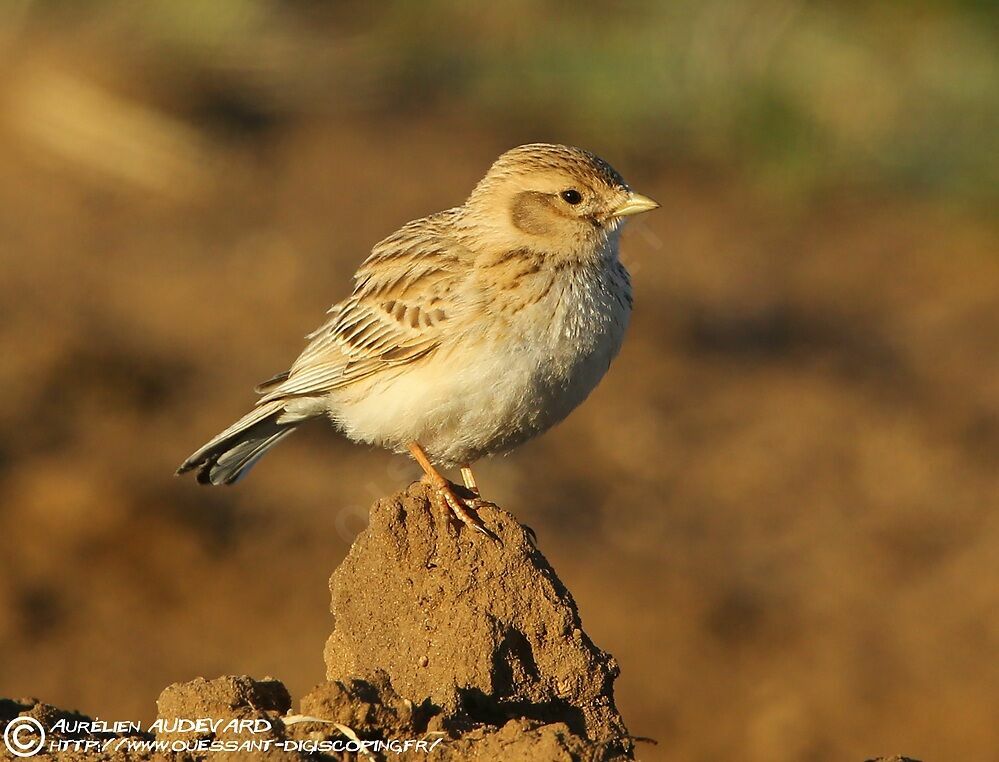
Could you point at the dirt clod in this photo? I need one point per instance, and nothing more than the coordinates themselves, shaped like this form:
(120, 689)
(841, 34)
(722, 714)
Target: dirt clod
(483, 631)
(228, 695)
(441, 636)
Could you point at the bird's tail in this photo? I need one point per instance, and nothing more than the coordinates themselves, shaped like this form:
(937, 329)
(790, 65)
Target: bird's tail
(227, 458)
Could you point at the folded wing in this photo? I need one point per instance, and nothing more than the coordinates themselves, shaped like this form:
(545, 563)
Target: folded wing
(402, 303)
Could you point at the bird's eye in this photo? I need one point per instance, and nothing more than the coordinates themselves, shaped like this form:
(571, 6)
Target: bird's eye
(571, 196)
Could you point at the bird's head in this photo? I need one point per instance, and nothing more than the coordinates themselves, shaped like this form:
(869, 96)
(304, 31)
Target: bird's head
(552, 199)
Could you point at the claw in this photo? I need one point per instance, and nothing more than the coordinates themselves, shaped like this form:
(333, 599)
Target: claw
(532, 536)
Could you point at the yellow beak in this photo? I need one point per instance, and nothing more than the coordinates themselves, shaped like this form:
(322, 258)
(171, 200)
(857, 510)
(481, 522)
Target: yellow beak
(636, 203)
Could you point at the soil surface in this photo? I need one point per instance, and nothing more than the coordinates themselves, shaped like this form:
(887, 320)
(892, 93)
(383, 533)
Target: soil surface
(470, 645)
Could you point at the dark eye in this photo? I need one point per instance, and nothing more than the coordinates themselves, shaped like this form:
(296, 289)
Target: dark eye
(571, 196)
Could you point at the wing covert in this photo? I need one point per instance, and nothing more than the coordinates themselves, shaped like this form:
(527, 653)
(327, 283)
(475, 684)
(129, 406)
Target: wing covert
(402, 303)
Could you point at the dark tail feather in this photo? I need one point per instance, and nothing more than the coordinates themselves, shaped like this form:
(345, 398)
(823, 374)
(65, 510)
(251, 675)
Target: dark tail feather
(227, 458)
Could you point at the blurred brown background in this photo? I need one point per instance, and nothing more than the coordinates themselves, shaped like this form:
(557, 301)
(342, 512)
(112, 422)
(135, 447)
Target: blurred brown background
(779, 510)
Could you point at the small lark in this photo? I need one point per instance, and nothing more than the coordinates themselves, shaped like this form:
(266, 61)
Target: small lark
(468, 332)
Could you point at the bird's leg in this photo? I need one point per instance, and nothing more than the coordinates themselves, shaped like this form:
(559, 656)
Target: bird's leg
(446, 491)
(469, 478)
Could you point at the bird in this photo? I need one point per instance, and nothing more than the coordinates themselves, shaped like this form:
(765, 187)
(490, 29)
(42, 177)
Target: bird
(468, 332)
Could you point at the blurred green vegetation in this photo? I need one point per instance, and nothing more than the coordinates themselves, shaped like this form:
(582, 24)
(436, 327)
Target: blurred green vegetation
(797, 95)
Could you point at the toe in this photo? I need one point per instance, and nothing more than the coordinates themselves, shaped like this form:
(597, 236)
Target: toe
(460, 509)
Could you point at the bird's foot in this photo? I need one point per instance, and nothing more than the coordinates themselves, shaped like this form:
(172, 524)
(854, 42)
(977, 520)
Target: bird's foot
(464, 509)
(459, 506)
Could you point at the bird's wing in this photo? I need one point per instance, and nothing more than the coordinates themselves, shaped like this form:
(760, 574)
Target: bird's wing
(403, 302)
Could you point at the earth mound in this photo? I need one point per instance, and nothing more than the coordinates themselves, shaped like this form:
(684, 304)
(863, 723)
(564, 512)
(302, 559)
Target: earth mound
(462, 646)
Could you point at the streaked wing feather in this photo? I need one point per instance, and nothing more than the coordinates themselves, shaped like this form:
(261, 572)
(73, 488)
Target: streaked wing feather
(401, 306)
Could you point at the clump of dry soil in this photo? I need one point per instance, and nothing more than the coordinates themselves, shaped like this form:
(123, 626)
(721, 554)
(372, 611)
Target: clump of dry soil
(484, 631)
(441, 635)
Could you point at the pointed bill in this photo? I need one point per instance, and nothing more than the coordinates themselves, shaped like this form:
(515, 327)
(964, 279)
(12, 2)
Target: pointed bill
(636, 203)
